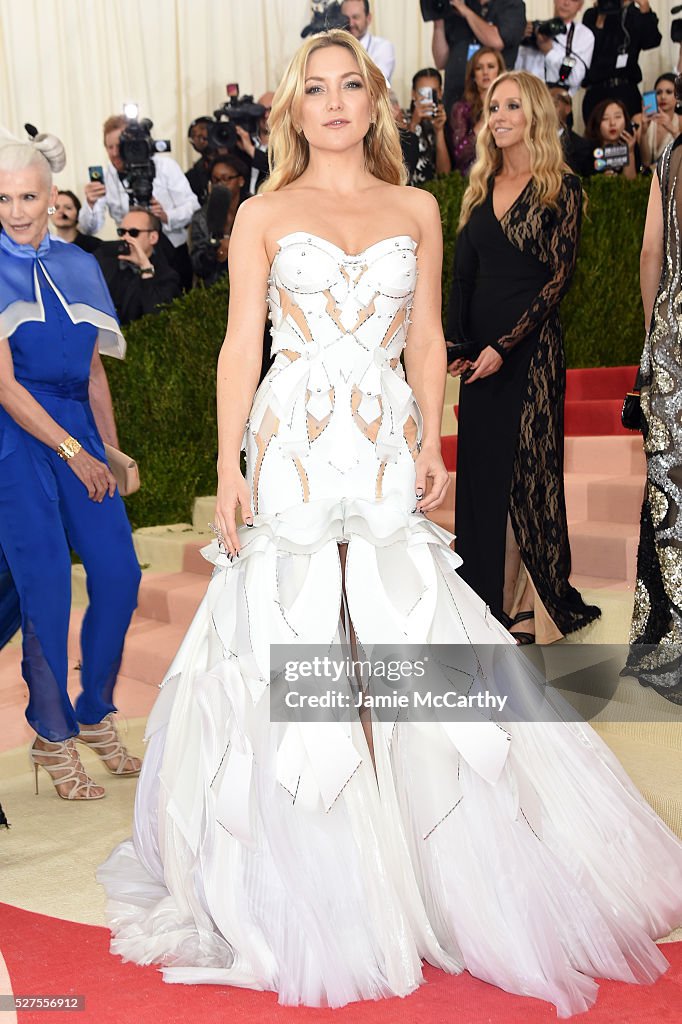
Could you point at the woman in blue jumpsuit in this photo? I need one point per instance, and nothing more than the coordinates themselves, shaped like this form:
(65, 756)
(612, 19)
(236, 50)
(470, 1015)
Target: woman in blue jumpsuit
(56, 490)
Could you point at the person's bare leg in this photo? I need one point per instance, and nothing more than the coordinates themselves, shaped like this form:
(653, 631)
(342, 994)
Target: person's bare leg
(518, 598)
(512, 567)
(364, 712)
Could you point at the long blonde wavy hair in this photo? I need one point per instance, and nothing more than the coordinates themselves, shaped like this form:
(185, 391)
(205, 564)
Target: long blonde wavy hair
(541, 135)
(288, 151)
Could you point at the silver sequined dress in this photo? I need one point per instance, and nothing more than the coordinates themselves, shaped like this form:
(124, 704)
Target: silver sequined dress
(657, 617)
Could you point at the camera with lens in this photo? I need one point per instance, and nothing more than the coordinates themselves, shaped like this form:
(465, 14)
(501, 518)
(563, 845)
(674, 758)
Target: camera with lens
(676, 25)
(239, 110)
(434, 10)
(325, 17)
(121, 247)
(137, 148)
(552, 29)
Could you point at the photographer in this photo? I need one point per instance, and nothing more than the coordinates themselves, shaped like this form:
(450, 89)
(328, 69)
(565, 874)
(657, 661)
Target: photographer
(173, 201)
(212, 224)
(498, 24)
(255, 146)
(621, 31)
(198, 174)
(140, 278)
(427, 122)
(577, 150)
(562, 53)
(382, 51)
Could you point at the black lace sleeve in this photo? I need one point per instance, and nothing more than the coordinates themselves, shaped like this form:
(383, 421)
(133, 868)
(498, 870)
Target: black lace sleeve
(562, 249)
(463, 280)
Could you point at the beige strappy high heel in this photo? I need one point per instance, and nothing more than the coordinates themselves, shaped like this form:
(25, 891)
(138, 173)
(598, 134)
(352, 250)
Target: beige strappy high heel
(104, 740)
(63, 765)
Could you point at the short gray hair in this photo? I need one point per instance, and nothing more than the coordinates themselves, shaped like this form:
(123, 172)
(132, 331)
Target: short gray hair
(45, 152)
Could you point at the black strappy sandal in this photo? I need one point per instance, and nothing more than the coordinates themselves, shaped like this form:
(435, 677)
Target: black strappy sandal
(522, 639)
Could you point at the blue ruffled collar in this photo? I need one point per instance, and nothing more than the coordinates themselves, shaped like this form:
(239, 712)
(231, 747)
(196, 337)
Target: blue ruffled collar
(23, 251)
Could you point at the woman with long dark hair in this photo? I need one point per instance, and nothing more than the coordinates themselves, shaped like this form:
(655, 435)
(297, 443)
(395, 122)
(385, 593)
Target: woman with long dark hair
(466, 116)
(662, 127)
(610, 124)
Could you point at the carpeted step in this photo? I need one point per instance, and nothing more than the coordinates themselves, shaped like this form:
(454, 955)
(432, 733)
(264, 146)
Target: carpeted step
(577, 488)
(599, 382)
(149, 650)
(168, 597)
(616, 500)
(655, 770)
(194, 562)
(612, 456)
(606, 455)
(594, 417)
(203, 512)
(604, 549)
(162, 548)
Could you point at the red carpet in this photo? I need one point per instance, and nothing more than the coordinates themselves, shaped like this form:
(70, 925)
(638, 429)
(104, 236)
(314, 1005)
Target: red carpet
(45, 955)
(594, 400)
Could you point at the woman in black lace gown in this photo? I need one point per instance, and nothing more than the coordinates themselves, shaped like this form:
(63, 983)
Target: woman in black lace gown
(515, 256)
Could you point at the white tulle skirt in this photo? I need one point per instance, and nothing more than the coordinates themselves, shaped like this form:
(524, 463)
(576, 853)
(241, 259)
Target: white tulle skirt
(276, 856)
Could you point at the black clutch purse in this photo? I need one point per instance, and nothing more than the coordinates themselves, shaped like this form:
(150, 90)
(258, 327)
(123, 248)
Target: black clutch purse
(631, 413)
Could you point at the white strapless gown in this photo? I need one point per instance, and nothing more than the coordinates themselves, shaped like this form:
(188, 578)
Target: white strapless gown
(273, 856)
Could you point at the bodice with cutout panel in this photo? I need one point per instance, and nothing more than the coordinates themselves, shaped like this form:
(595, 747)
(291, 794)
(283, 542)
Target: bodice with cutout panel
(334, 416)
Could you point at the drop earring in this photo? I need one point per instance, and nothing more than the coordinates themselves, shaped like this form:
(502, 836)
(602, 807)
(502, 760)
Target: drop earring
(51, 210)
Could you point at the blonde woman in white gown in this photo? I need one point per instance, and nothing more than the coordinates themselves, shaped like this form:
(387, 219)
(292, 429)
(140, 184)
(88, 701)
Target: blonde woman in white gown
(300, 860)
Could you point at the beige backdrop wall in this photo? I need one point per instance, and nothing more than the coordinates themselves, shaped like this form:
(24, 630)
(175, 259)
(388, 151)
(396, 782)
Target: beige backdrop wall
(66, 64)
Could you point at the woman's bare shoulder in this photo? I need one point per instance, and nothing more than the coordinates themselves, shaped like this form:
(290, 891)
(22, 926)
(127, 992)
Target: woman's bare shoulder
(255, 212)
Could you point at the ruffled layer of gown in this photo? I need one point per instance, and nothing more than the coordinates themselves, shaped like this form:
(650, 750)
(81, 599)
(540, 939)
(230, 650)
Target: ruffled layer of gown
(269, 855)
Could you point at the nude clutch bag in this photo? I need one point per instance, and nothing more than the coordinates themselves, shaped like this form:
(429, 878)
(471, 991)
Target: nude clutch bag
(124, 469)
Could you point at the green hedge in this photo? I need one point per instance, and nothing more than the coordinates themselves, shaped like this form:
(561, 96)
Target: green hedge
(164, 397)
(164, 392)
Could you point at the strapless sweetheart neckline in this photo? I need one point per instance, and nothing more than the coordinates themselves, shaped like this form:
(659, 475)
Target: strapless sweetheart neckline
(311, 236)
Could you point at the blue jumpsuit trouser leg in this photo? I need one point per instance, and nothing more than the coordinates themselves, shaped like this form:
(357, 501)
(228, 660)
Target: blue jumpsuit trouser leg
(45, 510)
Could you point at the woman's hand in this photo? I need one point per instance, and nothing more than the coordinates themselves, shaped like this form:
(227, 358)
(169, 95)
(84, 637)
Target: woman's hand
(487, 363)
(439, 118)
(629, 140)
(93, 474)
(665, 121)
(458, 367)
(431, 472)
(233, 490)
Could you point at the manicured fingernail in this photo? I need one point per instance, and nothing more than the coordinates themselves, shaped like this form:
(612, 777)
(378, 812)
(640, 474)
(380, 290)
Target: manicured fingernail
(420, 495)
(249, 522)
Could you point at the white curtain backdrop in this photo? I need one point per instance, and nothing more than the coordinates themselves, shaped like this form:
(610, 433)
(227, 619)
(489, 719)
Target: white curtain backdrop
(65, 65)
